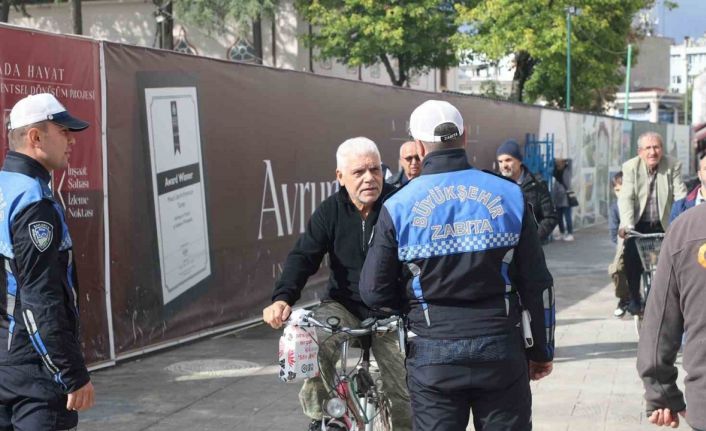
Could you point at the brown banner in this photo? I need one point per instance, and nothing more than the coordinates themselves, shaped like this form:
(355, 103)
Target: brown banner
(267, 140)
(215, 167)
(32, 62)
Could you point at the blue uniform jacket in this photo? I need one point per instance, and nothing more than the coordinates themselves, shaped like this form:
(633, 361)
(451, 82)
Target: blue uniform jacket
(39, 320)
(684, 204)
(458, 245)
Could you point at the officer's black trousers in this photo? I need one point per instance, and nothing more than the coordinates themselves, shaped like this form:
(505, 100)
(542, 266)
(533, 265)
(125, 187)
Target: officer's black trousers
(488, 375)
(31, 401)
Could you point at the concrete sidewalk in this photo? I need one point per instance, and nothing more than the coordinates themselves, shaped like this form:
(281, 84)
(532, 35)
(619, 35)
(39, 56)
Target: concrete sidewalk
(229, 382)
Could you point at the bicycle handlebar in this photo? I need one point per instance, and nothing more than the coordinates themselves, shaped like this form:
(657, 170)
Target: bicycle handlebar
(635, 234)
(381, 326)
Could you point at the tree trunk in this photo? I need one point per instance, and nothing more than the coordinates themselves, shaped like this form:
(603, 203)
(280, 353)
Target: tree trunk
(76, 16)
(524, 66)
(274, 42)
(443, 83)
(403, 73)
(390, 71)
(168, 27)
(5, 11)
(311, 49)
(257, 37)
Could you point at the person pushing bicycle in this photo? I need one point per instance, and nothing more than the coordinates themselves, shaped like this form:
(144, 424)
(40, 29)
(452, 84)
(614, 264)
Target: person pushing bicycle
(342, 227)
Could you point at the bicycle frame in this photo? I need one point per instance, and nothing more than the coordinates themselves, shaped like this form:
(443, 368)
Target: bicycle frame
(357, 389)
(648, 253)
(649, 266)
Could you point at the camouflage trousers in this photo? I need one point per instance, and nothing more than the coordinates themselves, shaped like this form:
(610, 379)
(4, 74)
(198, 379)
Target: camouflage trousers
(617, 273)
(387, 353)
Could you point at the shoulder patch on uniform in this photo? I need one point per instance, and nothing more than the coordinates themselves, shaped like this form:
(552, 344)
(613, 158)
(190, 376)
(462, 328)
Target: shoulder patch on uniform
(41, 234)
(702, 255)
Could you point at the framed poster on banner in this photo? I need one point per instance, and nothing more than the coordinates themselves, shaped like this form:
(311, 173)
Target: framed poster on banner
(178, 190)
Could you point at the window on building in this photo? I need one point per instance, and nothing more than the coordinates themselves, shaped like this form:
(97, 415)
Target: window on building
(375, 71)
(326, 64)
(181, 43)
(242, 50)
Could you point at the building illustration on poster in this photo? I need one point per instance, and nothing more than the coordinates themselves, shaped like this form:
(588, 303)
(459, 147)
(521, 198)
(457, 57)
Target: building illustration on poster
(178, 189)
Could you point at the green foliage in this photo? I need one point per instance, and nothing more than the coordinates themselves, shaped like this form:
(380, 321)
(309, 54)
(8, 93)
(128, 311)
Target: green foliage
(414, 34)
(223, 15)
(492, 90)
(535, 31)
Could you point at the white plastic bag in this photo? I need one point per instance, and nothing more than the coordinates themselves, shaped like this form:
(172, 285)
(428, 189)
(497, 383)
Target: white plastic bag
(298, 350)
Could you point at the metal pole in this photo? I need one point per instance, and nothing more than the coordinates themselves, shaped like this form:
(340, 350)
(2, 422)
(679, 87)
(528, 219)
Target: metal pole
(627, 83)
(568, 59)
(76, 16)
(686, 81)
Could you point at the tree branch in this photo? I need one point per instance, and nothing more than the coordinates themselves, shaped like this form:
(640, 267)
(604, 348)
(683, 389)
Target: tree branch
(388, 67)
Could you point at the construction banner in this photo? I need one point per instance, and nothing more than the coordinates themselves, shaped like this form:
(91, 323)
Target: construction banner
(67, 67)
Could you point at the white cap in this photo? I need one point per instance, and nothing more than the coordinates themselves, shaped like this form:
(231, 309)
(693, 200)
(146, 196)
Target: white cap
(43, 107)
(428, 116)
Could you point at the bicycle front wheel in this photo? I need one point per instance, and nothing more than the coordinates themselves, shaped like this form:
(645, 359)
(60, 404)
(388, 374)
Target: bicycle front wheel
(383, 420)
(646, 284)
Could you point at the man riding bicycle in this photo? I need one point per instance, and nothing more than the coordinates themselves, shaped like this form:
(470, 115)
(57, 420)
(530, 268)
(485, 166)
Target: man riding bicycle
(651, 184)
(342, 227)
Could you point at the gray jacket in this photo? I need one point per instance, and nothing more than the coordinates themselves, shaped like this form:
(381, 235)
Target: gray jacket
(560, 187)
(677, 300)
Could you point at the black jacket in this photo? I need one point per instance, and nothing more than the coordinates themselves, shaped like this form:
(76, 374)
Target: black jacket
(456, 286)
(398, 180)
(336, 228)
(38, 283)
(537, 195)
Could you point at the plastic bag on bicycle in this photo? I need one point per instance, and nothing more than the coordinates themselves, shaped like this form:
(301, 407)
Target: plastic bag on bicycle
(298, 351)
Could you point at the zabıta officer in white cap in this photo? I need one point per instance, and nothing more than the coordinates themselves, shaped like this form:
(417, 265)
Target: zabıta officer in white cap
(458, 247)
(43, 377)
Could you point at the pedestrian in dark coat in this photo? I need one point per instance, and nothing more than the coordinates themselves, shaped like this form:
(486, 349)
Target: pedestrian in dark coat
(533, 186)
(560, 195)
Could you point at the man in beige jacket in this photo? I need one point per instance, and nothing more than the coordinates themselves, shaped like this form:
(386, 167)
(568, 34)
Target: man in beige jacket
(651, 184)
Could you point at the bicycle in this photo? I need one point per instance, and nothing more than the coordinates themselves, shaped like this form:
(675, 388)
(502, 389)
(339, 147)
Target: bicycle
(648, 247)
(358, 402)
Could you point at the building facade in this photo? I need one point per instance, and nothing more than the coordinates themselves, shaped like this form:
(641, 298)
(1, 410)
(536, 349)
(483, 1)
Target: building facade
(137, 22)
(686, 62)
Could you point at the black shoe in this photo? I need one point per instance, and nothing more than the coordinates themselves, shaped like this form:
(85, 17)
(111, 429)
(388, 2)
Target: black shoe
(315, 425)
(620, 309)
(635, 308)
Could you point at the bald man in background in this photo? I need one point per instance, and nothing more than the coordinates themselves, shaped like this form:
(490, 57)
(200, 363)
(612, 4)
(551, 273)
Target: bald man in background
(410, 164)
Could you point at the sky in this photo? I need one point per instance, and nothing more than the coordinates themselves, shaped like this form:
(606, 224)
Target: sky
(689, 19)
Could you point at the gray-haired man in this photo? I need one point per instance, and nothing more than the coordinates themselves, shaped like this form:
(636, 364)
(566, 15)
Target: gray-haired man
(342, 226)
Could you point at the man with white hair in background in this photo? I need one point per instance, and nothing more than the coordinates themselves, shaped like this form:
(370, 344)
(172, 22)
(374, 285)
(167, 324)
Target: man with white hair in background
(342, 227)
(651, 184)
